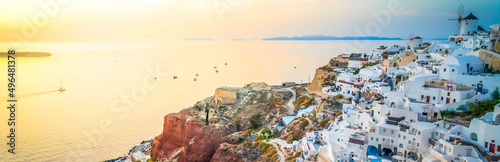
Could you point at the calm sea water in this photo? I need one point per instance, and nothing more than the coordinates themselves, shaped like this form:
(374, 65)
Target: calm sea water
(111, 102)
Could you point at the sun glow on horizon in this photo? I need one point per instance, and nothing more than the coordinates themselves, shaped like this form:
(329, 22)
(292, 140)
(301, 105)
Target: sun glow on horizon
(96, 20)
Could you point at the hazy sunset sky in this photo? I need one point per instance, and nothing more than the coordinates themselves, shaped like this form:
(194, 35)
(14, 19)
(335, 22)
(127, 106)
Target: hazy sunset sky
(124, 20)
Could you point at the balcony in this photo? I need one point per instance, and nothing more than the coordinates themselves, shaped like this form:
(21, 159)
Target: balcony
(387, 144)
(432, 142)
(411, 148)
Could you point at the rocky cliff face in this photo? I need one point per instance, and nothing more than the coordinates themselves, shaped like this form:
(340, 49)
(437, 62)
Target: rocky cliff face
(187, 140)
(186, 137)
(321, 77)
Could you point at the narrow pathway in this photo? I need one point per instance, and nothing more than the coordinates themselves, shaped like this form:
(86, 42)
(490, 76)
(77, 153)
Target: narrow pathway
(282, 157)
(291, 107)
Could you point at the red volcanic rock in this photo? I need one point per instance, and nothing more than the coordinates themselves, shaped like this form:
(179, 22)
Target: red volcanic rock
(188, 140)
(226, 153)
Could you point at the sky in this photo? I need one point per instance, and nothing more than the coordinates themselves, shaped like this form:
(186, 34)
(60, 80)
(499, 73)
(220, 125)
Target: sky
(133, 20)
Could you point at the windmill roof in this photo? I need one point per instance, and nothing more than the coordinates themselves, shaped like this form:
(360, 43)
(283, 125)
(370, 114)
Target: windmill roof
(417, 37)
(470, 17)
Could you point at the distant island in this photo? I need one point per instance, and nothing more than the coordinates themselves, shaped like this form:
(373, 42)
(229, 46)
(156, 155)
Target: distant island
(324, 37)
(197, 39)
(27, 54)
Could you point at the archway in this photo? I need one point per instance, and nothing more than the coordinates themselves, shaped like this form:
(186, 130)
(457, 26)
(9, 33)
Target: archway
(386, 152)
(473, 136)
(372, 150)
(412, 155)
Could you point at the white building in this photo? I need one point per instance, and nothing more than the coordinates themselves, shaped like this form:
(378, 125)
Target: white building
(485, 131)
(459, 65)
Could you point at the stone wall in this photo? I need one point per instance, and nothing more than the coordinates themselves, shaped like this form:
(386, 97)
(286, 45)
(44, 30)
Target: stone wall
(491, 58)
(225, 96)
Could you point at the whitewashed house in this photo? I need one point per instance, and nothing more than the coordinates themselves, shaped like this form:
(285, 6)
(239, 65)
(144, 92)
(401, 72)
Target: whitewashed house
(459, 65)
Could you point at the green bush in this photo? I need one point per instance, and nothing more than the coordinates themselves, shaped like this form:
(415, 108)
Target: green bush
(495, 95)
(448, 113)
(254, 124)
(323, 123)
(263, 146)
(356, 72)
(304, 123)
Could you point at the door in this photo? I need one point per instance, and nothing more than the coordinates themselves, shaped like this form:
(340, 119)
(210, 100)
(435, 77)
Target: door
(428, 99)
(492, 147)
(447, 100)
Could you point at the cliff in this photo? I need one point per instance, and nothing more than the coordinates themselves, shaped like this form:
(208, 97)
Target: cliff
(322, 77)
(186, 140)
(187, 137)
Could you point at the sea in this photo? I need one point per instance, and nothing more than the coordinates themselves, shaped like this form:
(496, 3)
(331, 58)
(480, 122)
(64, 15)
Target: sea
(94, 101)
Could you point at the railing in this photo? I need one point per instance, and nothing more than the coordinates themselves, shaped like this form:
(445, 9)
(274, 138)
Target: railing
(412, 148)
(432, 142)
(387, 144)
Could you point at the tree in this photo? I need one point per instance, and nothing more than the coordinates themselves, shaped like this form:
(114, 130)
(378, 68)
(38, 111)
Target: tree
(385, 55)
(339, 96)
(495, 95)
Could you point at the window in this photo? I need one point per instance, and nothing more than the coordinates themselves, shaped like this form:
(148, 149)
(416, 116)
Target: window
(409, 142)
(379, 112)
(444, 69)
(454, 100)
(399, 135)
(418, 144)
(401, 145)
(433, 98)
(441, 98)
(485, 144)
(383, 130)
(470, 68)
(418, 132)
(392, 131)
(452, 70)
(383, 139)
(376, 139)
(404, 137)
(372, 138)
(392, 141)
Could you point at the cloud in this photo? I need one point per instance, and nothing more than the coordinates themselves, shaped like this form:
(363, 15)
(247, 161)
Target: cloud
(409, 13)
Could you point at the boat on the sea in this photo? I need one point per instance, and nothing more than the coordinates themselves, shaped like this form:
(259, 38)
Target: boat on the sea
(61, 89)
